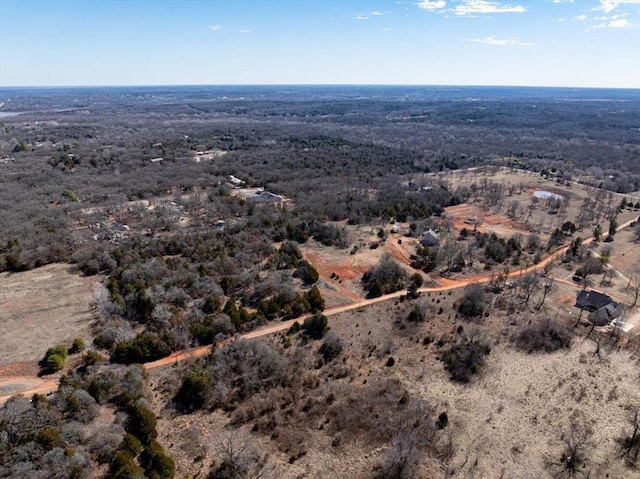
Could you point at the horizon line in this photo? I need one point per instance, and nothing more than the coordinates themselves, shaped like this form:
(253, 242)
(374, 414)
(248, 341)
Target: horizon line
(439, 85)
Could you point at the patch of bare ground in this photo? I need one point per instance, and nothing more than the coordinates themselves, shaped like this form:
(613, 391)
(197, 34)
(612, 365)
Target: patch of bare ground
(464, 216)
(41, 308)
(341, 270)
(527, 214)
(507, 422)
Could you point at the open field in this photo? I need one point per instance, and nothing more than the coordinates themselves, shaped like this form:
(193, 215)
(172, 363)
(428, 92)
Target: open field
(42, 308)
(625, 253)
(527, 213)
(488, 222)
(526, 402)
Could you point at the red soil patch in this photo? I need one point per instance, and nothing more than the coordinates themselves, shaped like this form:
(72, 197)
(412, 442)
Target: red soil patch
(325, 270)
(487, 222)
(398, 251)
(335, 276)
(24, 368)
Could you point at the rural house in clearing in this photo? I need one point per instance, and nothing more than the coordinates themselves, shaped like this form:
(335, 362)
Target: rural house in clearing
(430, 238)
(603, 309)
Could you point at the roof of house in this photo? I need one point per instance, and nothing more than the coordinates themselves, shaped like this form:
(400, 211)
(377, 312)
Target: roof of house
(235, 181)
(607, 313)
(592, 300)
(431, 235)
(265, 197)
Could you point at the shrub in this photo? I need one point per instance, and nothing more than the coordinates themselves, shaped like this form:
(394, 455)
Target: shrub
(77, 346)
(386, 277)
(124, 467)
(70, 195)
(131, 445)
(295, 327)
(466, 357)
(48, 437)
(156, 463)
(193, 391)
(144, 347)
(54, 363)
(415, 315)
(315, 326)
(91, 358)
(141, 423)
(53, 360)
(473, 302)
(210, 305)
(306, 272)
(331, 347)
(443, 420)
(543, 336)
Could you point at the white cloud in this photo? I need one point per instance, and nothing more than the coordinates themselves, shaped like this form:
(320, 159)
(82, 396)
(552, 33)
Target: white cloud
(619, 20)
(432, 5)
(616, 23)
(578, 18)
(472, 7)
(362, 16)
(608, 6)
(376, 13)
(561, 1)
(491, 40)
(220, 28)
(617, 16)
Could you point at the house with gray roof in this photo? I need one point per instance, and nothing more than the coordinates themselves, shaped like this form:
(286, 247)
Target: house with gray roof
(430, 238)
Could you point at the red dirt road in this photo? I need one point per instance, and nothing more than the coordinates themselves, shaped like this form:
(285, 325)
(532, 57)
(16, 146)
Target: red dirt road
(45, 385)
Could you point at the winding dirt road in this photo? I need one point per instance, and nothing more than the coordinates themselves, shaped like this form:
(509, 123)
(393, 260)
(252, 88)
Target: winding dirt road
(47, 385)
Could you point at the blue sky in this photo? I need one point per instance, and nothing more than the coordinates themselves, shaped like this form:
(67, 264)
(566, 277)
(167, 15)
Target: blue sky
(581, 43)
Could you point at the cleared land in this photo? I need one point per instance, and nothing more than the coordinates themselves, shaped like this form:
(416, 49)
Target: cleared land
(42, 308)
(527, 214)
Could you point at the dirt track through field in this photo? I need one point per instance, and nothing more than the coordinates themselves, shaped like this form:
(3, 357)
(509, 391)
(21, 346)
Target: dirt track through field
(49, 385)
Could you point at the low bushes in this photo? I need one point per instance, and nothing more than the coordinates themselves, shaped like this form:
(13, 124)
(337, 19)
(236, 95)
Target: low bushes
(544, 336)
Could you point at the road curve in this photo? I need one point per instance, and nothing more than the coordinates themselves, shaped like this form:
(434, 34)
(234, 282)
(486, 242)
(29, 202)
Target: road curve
(49, 385)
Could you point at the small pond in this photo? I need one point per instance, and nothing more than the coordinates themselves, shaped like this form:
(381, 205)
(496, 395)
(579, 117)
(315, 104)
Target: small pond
(545, 195)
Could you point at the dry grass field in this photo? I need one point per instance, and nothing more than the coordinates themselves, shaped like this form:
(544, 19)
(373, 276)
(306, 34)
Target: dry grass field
(508, 422)
(522, 186)
(41, 308)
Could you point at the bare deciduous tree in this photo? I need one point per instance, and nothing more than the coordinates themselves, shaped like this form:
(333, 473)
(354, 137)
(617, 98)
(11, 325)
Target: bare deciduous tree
(576, 442)
(630, 445)
(239, 459)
